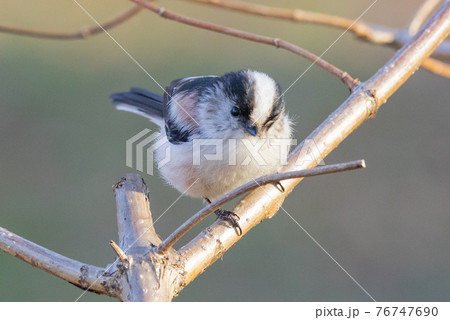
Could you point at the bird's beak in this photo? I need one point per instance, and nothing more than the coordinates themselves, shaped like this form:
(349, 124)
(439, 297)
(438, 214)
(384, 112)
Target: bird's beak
(253, 130)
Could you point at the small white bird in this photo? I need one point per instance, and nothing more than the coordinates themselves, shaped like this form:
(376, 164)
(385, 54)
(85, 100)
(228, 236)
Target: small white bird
(217, 132)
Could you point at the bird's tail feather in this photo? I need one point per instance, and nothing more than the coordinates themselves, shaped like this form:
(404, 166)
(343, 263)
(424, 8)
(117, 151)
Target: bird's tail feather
(141, 102)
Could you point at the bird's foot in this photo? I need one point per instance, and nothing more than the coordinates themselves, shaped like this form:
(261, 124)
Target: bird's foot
(230, 217)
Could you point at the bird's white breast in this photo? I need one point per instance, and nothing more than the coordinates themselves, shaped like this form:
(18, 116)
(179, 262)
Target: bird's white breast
(211, 168)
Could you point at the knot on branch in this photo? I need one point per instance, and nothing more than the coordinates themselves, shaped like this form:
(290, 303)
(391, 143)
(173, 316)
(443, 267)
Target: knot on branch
(161, 11)
(85, 32)
(349, 81)
(111, 285)
(298, 15)
(276, 42)
(84, 275)
(372, 102)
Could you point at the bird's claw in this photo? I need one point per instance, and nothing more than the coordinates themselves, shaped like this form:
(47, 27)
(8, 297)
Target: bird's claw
(230, 217)
(279, 186)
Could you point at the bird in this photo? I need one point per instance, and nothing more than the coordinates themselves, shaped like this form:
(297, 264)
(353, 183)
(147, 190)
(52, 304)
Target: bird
(216, 132)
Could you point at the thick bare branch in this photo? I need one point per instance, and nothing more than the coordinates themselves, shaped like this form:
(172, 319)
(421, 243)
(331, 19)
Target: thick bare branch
(362, 104)
(136, 235)
(145, 276)
(408, 59)
(134, 219)
(271, 178)
(82, 275)
(80, 34)
(278, 43)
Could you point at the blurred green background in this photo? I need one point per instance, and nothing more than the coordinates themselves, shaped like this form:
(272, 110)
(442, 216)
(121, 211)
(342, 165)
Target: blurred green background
(63, 147)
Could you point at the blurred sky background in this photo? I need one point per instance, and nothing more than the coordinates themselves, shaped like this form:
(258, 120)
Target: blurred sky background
(62, 147)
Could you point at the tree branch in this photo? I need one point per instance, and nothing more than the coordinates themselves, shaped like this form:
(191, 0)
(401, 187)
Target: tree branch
(120, 253)
(82, 275)
(261, 181)
(144, 275)
(364, 31)
(134, 219)
(422, 14)
(437, 67)
(362, 104)
(80, 34)
(372, 33)
(278, 43)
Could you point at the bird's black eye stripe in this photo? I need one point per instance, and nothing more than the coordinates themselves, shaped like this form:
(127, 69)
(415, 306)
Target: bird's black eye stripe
(235, 111)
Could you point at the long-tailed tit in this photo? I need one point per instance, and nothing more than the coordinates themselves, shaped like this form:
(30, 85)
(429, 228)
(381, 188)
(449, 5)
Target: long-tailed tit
(217, 132)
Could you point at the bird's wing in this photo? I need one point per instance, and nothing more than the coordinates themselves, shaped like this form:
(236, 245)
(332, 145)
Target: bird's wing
(181, 106)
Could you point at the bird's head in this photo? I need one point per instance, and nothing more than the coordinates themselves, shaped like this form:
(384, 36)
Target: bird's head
(245, 103)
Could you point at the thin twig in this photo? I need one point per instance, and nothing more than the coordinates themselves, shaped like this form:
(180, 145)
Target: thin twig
(271, 178)
(371, 33)
(80, 34)
(422, 14)
(437, 67)
(120, 253)
(278, 43)
(368, 32)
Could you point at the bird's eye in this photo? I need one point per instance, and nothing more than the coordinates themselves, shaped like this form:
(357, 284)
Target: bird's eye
(235, 111)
